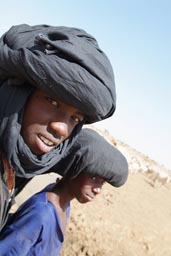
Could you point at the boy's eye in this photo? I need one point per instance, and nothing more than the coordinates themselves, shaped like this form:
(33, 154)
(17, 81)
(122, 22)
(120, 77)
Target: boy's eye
(53, 102)
(94, 178)
(77, 119)
(98, 179)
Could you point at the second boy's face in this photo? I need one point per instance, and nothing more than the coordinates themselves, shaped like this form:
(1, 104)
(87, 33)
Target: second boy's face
(87, 186)
(47, 122)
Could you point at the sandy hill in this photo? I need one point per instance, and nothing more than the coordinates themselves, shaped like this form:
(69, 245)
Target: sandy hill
(133, 220)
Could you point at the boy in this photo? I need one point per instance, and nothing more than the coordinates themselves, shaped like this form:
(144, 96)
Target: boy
(52, 81)
(38, 226)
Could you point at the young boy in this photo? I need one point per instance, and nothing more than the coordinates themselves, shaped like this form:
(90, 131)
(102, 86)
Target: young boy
(38, 226)
(52, 81)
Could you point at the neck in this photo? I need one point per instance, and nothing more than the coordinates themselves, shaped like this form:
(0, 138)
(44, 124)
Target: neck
(60, 195)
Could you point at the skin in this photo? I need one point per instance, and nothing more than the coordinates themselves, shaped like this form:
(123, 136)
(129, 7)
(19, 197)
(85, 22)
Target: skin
(84, 188)
(47, 122)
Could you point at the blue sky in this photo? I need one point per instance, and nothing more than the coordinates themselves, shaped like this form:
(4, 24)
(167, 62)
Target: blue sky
(135, 34)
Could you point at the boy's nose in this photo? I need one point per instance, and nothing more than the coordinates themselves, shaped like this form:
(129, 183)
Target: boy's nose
(60, 129)
(97, 190)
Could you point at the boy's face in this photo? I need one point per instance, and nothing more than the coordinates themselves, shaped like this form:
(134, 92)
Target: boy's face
(47, 122)
(86, 187)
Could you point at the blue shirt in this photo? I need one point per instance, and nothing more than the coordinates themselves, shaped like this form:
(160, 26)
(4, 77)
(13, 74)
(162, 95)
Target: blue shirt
(34, 229)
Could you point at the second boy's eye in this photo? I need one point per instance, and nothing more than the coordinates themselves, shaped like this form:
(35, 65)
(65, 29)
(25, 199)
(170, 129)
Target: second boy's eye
(94, 178)
(77, 119)
(98, 179)
(53, 102)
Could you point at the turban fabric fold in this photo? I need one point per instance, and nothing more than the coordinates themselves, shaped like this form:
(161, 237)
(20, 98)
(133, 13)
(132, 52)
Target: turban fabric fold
(66, 62)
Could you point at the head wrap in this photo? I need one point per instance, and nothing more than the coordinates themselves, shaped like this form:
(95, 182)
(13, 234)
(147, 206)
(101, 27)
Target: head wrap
(92, 154)
(65, 62)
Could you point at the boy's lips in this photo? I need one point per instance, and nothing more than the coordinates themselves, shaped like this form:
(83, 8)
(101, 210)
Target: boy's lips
(46, 141)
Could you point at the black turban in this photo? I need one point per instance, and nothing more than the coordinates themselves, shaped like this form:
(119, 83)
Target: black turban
(65, 62)
(92, 154)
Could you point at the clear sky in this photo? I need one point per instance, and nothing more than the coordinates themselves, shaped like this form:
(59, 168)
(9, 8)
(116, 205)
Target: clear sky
(135, 34)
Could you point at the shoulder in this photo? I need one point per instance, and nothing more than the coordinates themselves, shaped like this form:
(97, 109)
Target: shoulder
(36, 207)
